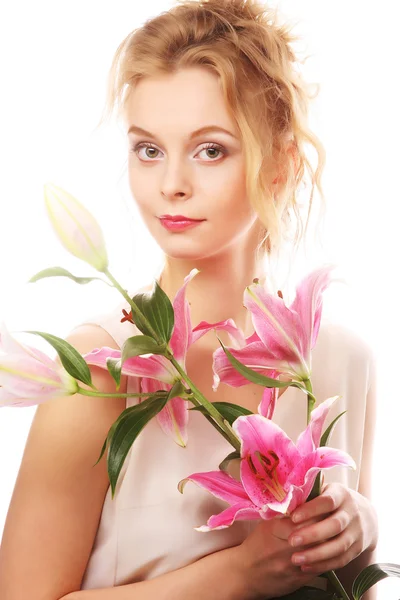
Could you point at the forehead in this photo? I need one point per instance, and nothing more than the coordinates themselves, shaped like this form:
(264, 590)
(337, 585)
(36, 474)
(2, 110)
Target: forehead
(187, 99)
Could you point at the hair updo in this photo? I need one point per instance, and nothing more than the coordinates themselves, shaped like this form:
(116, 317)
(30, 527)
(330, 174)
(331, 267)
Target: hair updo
(242, 42)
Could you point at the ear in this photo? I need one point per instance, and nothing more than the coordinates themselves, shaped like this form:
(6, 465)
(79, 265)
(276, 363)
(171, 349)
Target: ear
(292, 150)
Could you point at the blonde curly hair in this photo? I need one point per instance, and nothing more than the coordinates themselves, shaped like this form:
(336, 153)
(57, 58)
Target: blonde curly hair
(243, 43)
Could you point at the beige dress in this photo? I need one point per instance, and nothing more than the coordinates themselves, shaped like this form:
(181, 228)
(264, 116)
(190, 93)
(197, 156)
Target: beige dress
(148, 528)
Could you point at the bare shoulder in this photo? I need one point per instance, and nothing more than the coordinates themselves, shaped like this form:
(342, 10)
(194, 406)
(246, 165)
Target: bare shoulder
(59, 494)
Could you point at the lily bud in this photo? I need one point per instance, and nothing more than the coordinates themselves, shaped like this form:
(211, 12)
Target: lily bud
(28, 376)
(76, 228)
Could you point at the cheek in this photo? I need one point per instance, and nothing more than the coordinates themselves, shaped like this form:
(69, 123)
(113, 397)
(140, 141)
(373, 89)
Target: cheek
(231, 200)
(140, 186)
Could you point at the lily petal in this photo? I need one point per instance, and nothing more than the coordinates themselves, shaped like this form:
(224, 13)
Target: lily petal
(153, 366)
(257, 433)
(244, 511)
(181, 337)
(26, 377)
(310, 438)
(228, 325)
(277, 325)
(174, 417)
(266, 407)
(308, 302)
(9, 345)
(254, 355)
(8, 399)
(303, 475)
(220, 484)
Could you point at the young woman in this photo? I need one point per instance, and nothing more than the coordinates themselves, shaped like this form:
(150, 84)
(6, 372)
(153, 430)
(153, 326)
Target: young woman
(216, 120)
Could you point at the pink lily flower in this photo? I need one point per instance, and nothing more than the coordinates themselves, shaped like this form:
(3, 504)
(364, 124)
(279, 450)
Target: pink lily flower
(276, 474)
(29, 377)
(158, 373)
(284, 336)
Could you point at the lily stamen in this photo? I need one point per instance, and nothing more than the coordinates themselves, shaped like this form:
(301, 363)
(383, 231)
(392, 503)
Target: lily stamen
(264, 468)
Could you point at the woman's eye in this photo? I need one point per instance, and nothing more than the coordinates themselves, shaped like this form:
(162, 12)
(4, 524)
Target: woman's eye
(146, 145)
(214, 148)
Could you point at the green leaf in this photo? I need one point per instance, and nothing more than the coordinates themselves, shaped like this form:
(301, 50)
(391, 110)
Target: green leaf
(158, 310)
(371, 575)
(111, 433)
(232, 456)
(60, 272)
(114, 368)
(112, 429)
(229, 411)
(126, 431)
(70, 358)
(138, 345)
(326, 435)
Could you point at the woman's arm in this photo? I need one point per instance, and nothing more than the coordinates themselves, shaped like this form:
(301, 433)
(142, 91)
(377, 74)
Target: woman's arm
(59, 494)
(217, 576)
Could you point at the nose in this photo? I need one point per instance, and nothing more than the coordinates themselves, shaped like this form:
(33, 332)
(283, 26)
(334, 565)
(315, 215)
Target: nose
(175, 183)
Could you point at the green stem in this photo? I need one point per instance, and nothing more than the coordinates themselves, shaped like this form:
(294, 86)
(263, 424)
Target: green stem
(310, 399)
(210, 408)
(85, 392)
(135, 309)
(333, 578)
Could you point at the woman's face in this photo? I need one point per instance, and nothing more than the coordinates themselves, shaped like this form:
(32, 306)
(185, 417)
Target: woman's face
(174, 172)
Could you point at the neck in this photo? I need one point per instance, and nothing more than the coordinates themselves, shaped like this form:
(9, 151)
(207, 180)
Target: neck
(216, 292)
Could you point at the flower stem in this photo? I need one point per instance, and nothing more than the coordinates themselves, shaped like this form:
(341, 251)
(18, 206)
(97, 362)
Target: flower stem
(333, 578)
(85, 392)
(210, 408)
(310, 399)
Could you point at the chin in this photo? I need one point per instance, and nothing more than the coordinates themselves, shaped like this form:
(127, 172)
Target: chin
(193, 251)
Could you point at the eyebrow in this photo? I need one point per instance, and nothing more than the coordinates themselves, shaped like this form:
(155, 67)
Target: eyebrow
(193, 135)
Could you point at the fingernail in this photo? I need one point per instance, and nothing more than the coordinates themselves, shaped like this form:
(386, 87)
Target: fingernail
(297, 541)
(297, 517)
(298, 560)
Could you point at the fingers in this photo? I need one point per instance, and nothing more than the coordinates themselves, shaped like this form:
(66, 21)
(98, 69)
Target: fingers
(329, 501)
(320, 531)
(328, 558)
(334, 553)
(281, 527)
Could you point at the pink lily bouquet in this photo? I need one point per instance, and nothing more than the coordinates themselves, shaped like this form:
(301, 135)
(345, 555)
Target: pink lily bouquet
(277, 474)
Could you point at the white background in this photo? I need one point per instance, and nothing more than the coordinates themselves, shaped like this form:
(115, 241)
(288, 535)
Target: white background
(54, 62)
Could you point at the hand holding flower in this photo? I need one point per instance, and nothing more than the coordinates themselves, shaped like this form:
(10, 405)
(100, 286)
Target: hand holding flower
(346, 527)
(264, 561)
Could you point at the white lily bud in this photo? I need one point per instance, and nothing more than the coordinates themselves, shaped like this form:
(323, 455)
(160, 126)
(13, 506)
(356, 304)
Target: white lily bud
(76, 228)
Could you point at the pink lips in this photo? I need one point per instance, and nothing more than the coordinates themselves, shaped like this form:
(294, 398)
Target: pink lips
(178, 222)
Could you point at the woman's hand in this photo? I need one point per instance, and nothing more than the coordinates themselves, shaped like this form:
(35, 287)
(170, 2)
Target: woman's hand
(346, 526)
(265, 560)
